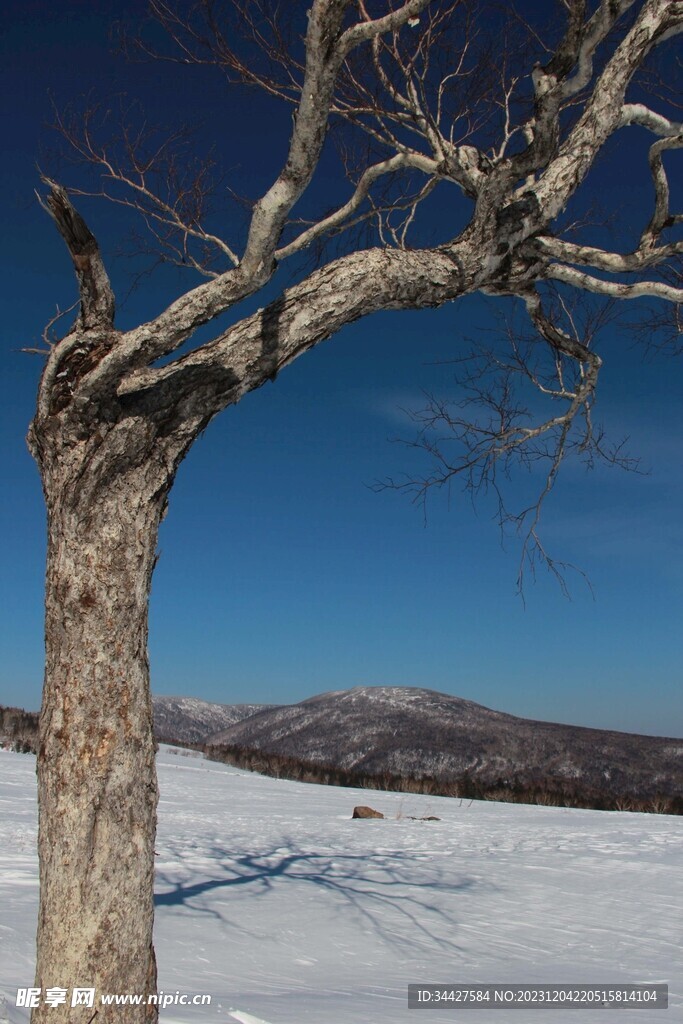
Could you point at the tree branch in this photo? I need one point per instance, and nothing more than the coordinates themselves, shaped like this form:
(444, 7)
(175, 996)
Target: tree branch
(341, 292)
(368, 178)
(614, 289)
(96, 296)
(367, 30)
(661, 216)
(429, 106)
(597, 29)
(477, 439)
(326, 49)
(603, 111)
(600, 259)
(640, 114)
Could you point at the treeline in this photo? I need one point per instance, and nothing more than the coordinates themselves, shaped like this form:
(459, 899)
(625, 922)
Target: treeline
(544, 790)
(19, 730)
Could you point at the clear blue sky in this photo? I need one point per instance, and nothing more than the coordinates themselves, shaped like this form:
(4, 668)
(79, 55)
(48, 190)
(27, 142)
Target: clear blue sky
(282, 573)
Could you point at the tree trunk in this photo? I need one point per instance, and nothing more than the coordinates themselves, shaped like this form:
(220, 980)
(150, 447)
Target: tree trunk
(96, 773)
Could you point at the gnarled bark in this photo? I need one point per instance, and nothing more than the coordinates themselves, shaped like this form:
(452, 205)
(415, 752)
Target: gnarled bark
(96, 773)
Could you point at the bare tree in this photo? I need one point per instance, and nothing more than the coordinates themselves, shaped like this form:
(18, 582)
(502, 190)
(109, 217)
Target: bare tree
(417, 101)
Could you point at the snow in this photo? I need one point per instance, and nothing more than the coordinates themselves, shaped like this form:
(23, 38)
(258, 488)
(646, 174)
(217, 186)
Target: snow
(273, 901)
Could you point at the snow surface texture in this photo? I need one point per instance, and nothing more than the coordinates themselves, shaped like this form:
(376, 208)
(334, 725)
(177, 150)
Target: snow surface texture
(272, 900)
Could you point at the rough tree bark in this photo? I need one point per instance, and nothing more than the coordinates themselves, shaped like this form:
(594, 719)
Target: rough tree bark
(107, 468)
(97, 782)
(112, 425)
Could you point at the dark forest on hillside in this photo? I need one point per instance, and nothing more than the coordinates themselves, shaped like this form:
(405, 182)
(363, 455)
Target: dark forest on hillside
(526, 788)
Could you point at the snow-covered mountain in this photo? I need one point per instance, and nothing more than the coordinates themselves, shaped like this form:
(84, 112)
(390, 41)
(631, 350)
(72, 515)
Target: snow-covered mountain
(416, 732)
(189, 720)
(179, 719)
(271, 900)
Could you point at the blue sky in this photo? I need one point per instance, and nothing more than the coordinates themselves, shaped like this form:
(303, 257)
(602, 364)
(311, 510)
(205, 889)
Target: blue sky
(282, 572)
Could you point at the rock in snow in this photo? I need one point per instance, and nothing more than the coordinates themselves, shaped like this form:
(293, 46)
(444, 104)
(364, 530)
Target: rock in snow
(366, 812)
(272, 901)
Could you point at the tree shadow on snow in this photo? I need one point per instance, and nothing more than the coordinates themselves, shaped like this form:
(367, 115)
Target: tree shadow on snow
(377, 887)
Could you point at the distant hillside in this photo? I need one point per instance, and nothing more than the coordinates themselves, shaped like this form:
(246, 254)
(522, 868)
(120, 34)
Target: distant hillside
(388, 736)
(189, 720)
(416, 733)
(18, 729)
(179, 719)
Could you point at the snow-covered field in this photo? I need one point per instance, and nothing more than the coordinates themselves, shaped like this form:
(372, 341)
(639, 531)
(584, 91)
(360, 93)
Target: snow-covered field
(283, 909)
